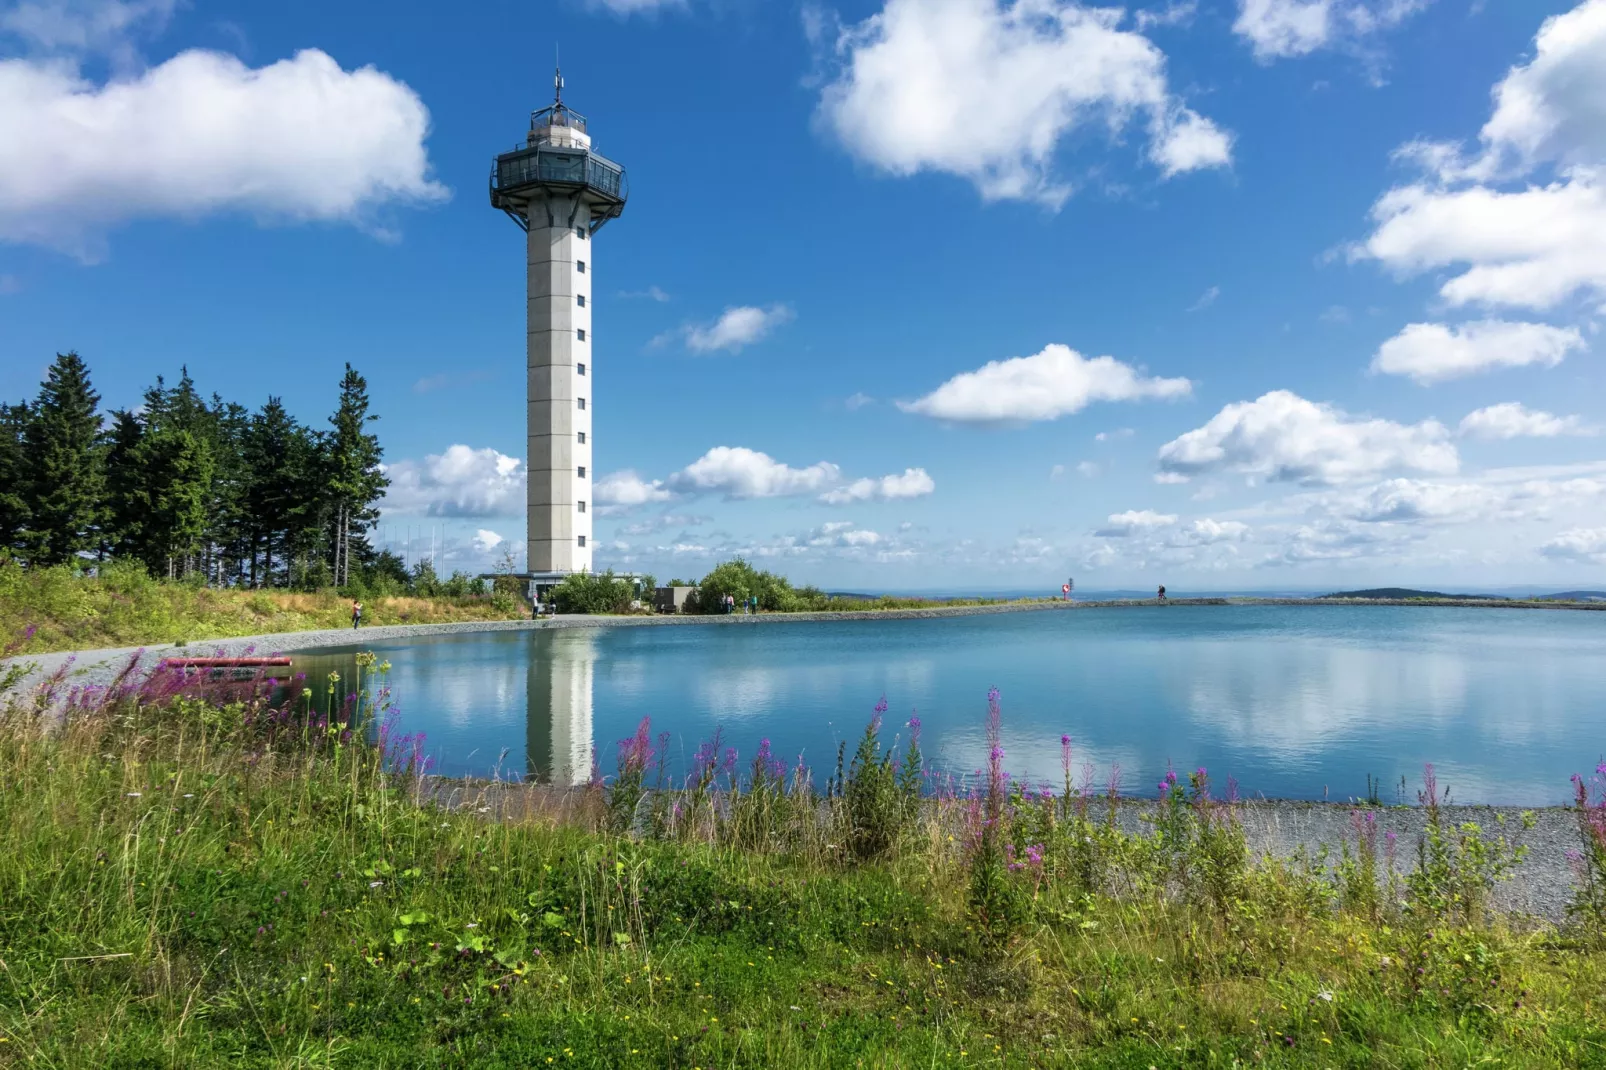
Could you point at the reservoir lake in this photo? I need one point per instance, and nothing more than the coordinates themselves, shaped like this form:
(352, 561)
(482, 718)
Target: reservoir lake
(1297, 702)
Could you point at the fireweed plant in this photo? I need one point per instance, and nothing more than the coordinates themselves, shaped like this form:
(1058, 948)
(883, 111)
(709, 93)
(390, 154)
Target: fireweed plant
(201, 870)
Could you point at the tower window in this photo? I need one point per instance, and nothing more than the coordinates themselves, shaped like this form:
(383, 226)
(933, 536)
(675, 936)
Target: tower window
(582, 507)
(580, 232)
(582, 540)
(582, 368)
(582, 471)
(580, 266)
(581, 298)
(582, 333)
(582, 402)
(582, 438)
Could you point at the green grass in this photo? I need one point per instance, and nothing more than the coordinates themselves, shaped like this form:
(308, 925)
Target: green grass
(184, 884)
(126, 607)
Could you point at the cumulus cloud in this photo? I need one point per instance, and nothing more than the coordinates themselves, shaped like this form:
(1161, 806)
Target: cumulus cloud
(913, 483)
(738, 472)
(1511, 419)
(1433, 352)
(1579, 545)
(1411, 500)
(461, 482)
(1208, 531)
(842, 535)
(989, 89)
(635, 7)
(486, 540)
(202, 134)
(737, 327)
(1529, 247)
(1133, 522)
(1554, 107)
(1278, 29)
(1283, 437)
(1054, 383)
(653, 525)
(84, 26)
(625, 489)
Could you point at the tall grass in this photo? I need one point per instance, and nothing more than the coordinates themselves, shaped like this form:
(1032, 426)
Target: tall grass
(198, 871)
(124, 606)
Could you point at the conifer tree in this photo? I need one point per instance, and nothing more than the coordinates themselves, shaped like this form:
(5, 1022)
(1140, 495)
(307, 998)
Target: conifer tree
(13, 499)
(354, 480)
(123, 515)
(174, 498)
(62, 473)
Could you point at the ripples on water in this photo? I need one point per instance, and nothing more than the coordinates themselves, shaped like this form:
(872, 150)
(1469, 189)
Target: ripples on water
(1294, 701)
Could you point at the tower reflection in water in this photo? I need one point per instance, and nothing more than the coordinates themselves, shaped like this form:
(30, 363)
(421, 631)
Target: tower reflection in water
(558, 731)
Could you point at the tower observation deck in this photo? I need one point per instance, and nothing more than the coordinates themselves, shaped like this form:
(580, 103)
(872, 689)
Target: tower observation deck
(560, 192)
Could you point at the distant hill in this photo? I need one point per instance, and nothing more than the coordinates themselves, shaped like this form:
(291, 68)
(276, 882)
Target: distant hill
(1573, 596)
(1398, 593)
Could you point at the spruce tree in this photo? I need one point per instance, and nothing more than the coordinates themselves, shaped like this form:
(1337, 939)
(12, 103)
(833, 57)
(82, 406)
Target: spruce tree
(277, 455)
(175, 499)
(62, 476)
(123, 515)
(13, 499)
(354, 479)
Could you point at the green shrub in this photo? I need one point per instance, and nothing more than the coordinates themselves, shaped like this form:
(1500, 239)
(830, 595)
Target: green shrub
(588, 592)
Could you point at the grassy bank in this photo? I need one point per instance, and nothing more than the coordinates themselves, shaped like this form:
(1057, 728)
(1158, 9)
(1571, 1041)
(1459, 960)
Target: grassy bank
(190, 877)
(126, 607)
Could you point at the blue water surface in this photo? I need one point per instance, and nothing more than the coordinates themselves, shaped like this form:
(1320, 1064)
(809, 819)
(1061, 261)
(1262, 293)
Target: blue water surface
(1292, 701)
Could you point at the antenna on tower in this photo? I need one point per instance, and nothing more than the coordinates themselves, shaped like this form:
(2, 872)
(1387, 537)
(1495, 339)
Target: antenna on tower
(557, 78)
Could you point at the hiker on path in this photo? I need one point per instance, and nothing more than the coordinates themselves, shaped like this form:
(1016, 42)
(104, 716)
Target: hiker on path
(356, 614)
(1161, 595)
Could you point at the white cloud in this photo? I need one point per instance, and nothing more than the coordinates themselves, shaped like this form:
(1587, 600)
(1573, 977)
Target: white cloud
(625, 489)
(486, 540)
(913, 483)
(1511, 420)
(988, 89)
(298, 140)
(1133, 522)
(1582, 545)
(1278, 29)
(1434, 352)
(1087, 469)
(1206, 299)
(1054, 383)
(462, 482)
(652, 293)
(1554, 108)
(1283, 437)
(664, 522)
(738, 472)
(1410, 500)
(842, 536)
(84, 26)
(737, 326)
(1057, 471)
(858, 401)
(1176, 13)
(1208, 531)
(1533, 247)
(635, 7)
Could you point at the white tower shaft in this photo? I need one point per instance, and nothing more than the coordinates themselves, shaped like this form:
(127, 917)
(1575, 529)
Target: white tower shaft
(560, 377)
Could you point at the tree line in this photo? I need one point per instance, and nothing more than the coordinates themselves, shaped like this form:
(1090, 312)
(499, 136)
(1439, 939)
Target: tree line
(195, 488)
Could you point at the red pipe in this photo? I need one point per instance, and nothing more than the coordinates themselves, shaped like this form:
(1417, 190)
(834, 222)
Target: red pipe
(223, 663)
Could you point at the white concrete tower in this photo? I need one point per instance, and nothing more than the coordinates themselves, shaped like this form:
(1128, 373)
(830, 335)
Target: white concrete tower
(561, 192)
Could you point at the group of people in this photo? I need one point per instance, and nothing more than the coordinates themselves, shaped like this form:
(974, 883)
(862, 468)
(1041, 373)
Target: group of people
(749, 605)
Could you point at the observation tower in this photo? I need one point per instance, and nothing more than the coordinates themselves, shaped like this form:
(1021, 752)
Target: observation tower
(560, 192)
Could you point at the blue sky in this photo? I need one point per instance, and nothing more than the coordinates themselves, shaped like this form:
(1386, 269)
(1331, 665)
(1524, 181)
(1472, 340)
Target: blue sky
(1226, 294)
